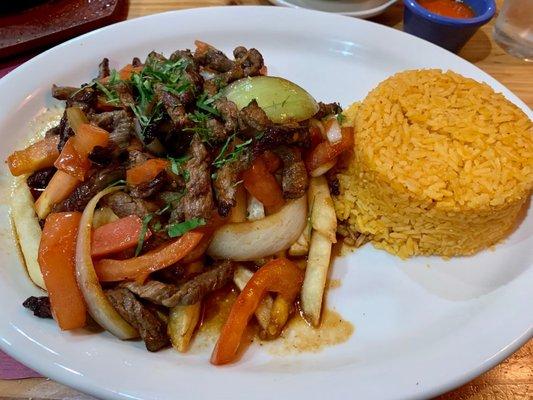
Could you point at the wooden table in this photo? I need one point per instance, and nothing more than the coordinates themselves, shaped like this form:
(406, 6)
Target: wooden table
(511, 380)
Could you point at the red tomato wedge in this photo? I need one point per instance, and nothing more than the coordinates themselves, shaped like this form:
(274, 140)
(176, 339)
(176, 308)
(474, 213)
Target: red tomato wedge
(56, 259)
(146, 171)
(326, 152)
(279, 275)
(117, 270)
(39, 155)
(116, 236)
(261, 184)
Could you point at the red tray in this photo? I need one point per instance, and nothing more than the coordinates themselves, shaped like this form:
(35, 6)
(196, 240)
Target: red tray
(54, 21)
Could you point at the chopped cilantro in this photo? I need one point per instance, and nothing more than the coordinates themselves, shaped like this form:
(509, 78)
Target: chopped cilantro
(224, 158)
(178, 229)
(110, 94)
(340, 118)
(176, 166)
(142, 233)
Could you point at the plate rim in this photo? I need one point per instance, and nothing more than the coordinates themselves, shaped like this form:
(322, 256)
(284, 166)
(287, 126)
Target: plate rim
(85, 386)
(369, 13)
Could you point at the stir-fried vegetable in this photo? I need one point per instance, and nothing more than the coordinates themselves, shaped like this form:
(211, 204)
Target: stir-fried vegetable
(261, 184)
(57, 251)
(324, 222)
(116, 236)
(326, 152)
(58, 189)
(97, 303)
(181, 325)
(282, 100)
(256, 239)
(146, 171)
(41, 154)
(280, 276)
(117, 270)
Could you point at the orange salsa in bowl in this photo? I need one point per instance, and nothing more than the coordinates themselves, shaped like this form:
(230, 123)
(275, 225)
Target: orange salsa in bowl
(448, 8)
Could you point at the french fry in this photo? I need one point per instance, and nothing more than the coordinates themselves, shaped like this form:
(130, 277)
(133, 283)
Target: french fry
(262, 314)
(238, 213)
(27, 228)
(182, 320)
(323, 217)
(256, 210)
(278, 318)
(181, 325)
(324, 223)
(315, 277)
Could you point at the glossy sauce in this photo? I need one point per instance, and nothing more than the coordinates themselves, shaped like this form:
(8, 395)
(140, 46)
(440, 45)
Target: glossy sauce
(297, 336)
(448, 8)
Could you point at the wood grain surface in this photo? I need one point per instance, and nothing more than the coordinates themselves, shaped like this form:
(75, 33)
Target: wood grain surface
(512, 379)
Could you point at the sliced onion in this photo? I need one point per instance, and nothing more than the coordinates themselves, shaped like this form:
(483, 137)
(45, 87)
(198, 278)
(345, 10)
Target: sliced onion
(251, 240)
(321, 170)
(334, 133)
(97, 303)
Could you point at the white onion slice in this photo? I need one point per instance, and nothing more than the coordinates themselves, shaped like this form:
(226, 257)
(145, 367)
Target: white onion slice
(97, 303)
(251, 240)
(334, 133)
(256, 210)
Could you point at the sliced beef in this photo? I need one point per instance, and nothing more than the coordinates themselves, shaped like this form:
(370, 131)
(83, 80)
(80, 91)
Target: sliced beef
(136, 62)
(103, 156)
(136, 157)
(217, 131)
(252, 119)
(327, 109)
(151, 329)
(103, 69)
(39, 179)
(147, 189)
(52, 131)
(213, 58)
(188, 293)
(277, 135)
(250, 60)
(294, 180)
(39, 305)
(120, 125)
(229, 113)
(173, 106)
(63, 92)
(83, 193)
(123, 205)
(124, 92)
(226, 182)
(198, 199)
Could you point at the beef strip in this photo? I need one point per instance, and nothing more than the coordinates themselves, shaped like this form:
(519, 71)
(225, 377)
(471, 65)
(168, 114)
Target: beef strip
(125, 93)
(213, 59)
(136, 62)
(63, 92)
(294, 178)
(173, 106)
(151, 187)
(198, 199)
(83, 193)
(252, 119)
(190, 292)
(250, 60)
(151, 329)
(226, 183)
(277, 135)
(120, 125)
(103, 69)
(217, 131)
(123, 205)
(103, 156)
(52, 131)
(39, 179)
(39, 305)
(327, 109)
(136, 157)
(229, 113)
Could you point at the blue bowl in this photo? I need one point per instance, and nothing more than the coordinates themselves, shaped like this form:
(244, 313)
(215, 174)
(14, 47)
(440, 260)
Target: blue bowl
(450, 33)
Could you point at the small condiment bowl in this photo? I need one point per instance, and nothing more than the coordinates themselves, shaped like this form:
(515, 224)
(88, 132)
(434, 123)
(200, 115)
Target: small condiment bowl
(447, 32)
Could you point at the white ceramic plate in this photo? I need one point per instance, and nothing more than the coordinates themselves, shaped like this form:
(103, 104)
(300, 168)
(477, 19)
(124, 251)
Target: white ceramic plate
(353, 8)
(422, 326)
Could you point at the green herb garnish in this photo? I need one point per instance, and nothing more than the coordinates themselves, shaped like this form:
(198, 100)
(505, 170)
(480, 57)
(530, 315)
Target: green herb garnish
(176, 166)
(178, 229)
(224, 158)
(142, 233)
(340, 118)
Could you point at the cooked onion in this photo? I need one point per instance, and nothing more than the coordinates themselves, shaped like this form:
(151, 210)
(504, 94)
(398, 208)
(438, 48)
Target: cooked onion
(97, 303)
(334, 133)
(250, 240)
